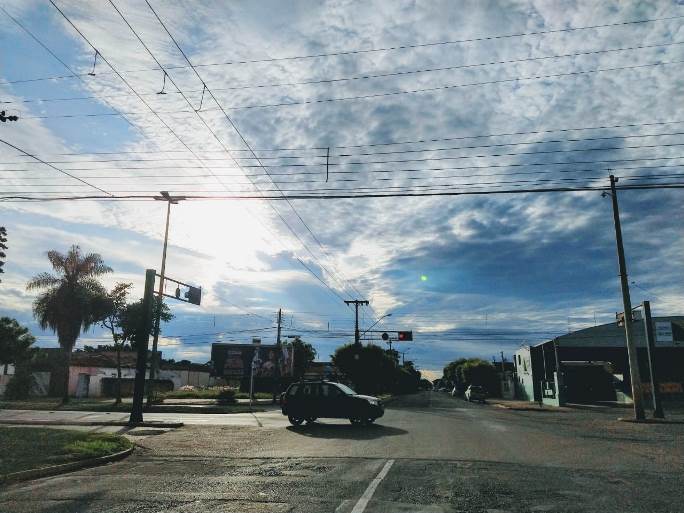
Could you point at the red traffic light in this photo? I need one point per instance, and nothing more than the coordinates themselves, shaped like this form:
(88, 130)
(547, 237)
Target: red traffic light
(405, 336)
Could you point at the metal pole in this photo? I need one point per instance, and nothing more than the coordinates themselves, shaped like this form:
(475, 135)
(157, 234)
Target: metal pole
(142, 340)
(276, 371)
(635, 378)
(558, 372)
(157, 314)
(651, 351)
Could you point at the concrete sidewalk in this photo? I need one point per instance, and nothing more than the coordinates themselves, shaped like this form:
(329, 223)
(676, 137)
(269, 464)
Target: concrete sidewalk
(271, 418)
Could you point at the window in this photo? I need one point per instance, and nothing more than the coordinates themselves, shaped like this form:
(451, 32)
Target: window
(310, 390)
(331, 391)
(293, 390)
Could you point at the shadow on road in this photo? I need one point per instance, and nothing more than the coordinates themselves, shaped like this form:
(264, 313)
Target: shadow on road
(346, 431)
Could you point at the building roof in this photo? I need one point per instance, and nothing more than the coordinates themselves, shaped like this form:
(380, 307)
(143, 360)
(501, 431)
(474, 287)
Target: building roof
(612, 335)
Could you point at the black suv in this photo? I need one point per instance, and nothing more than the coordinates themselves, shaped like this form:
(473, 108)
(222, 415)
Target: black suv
(310, 400)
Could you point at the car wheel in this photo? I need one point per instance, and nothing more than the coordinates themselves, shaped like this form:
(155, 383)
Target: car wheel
(369, 421)
(295, 421)
(355, 422)
(311, 420)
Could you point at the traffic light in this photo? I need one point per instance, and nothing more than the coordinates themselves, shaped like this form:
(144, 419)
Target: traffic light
(194, 295)
(405, 336)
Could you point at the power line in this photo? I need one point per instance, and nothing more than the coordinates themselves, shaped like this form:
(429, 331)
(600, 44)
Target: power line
(392, 152)
(395, 48)
(54, 167)
(366, 76)
(372, 96)
(346, 196)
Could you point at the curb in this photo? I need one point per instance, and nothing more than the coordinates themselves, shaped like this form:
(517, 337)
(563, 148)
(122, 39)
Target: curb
(54, 470)
(649, 421)
(549, 409)
(28, 422)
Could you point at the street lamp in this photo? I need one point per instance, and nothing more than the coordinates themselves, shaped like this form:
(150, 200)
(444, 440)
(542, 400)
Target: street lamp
(165, 196)
(381, 318)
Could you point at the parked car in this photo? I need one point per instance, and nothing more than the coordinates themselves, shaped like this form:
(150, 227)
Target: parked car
(310, 400)
(475, 393)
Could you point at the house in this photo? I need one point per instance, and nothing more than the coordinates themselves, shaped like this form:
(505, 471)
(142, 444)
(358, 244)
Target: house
(94, 374)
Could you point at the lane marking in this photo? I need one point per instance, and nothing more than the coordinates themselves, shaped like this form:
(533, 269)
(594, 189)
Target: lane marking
(360, 506)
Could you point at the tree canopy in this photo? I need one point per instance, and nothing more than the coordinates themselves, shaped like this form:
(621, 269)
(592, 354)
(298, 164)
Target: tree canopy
(15, 341)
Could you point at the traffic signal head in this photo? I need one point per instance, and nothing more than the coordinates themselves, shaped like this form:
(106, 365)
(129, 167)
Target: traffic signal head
(405, 336)
(194, 295)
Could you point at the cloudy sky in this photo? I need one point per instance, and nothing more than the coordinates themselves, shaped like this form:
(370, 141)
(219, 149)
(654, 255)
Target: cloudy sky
(404, 96)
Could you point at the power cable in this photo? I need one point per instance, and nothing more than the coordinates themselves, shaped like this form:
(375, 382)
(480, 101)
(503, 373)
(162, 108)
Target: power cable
(367, 76)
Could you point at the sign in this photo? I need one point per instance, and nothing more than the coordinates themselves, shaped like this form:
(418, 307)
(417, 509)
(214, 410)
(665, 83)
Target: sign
(234, 361)
(663, 331)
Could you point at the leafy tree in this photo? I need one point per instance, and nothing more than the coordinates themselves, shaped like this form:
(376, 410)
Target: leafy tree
(15, 348)
(370, 368)
(116, 308)
(472, 371)
(15, 341)
(131, 319)
(72, 301)
(304, 354)
(3, 247)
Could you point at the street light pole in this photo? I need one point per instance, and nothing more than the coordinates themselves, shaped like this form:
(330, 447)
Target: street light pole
(154, 364)
(371, 326)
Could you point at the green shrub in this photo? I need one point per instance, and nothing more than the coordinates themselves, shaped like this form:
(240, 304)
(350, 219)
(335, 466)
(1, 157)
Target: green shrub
(226, 396)
(97, 445)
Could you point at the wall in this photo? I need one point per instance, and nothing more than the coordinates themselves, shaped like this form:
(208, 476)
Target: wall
(525, 382)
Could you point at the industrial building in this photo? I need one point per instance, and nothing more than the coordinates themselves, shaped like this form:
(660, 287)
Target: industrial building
(594, 365)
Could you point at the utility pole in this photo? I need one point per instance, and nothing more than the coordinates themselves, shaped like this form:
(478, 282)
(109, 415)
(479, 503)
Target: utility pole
(650, 350)
(142, 339)
(503, 369)
(356, 303)
(154, 364)
(635, 378)
(276, 371)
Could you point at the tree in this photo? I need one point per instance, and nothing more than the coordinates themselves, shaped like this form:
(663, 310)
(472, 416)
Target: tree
(471, 371)
(72, 301)
(131, 319)
(3, 247)
(15, 341)
(304, 354)
(15, 348)
(370, 368)
(116, 308)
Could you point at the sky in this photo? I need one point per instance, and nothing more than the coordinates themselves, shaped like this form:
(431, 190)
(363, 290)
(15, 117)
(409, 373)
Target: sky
(342, 97)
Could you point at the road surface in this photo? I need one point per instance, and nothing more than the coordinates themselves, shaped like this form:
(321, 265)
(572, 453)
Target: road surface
(429, 453)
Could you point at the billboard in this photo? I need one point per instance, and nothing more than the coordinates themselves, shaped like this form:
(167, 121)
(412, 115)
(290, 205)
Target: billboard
(663, 331)
(234, 361)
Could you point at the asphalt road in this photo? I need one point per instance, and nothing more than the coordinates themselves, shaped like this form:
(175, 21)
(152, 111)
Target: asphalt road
(429, 453)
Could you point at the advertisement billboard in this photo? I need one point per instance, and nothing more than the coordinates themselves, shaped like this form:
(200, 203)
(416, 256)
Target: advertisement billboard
(234, 361)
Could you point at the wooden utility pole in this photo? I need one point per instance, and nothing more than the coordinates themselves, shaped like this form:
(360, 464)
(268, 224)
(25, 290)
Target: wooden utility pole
(356, 303)
(635, 378)
(142, 340)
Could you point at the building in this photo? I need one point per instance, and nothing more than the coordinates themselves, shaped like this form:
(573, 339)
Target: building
(94, 374)
(594, 365)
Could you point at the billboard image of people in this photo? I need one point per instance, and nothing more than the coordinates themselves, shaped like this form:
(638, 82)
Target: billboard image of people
(234, 361)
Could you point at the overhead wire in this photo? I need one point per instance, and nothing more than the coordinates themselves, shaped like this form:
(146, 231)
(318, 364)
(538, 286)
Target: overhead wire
(366, 76)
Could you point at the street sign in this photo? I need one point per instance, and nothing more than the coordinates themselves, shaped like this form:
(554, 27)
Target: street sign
(663, 331)
(385, 337)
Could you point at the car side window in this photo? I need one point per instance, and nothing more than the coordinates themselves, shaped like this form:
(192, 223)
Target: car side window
(330, 391)
(293, 390)
(310, 390)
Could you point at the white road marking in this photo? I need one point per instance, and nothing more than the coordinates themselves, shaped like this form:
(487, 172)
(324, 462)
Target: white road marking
(361, 504)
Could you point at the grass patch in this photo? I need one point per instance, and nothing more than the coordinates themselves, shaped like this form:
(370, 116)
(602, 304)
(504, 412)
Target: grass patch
(26, 448)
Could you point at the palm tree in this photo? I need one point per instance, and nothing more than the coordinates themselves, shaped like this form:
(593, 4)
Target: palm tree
(73, 299)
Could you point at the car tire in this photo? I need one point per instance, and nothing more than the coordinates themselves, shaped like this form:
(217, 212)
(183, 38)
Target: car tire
(295, 421)
(311, 420)
(354, 421)
(369, 421)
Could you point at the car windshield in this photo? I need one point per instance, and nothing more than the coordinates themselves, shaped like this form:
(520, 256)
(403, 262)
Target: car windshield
(346, 389)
